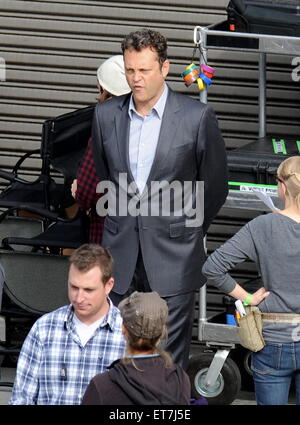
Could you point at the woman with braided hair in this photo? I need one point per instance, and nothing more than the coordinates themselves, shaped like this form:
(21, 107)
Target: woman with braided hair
(272, 241)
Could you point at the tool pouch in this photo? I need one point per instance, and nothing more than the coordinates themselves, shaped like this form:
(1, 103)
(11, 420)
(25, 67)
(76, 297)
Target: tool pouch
(250, 329)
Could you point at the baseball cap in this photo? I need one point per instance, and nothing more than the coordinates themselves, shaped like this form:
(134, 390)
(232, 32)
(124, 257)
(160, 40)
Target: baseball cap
(111, 76)
(144, 314)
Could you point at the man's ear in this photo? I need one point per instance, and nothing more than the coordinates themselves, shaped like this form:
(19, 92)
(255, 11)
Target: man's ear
(109, 285)
(165, 68)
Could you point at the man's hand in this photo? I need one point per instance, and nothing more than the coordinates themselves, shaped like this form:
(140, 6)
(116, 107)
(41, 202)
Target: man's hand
(74, 188)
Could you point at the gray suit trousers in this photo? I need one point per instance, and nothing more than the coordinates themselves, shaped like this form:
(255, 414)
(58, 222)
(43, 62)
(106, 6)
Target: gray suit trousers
(181, 314)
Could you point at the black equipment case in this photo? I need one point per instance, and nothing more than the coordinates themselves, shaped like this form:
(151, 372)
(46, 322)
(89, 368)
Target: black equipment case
(256, 163)
(287, 6)
(265, 17)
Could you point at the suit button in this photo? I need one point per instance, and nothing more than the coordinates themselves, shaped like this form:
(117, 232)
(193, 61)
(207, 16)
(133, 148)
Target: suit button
(136, 229)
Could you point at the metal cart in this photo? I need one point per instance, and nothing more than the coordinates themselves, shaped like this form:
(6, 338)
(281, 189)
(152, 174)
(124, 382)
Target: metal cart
(213, 374)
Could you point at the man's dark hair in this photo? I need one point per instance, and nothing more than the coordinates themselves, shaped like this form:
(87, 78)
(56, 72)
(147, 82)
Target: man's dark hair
(88, 256)
(140, 39)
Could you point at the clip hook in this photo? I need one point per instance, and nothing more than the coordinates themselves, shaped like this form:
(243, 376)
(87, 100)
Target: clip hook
(197, 35)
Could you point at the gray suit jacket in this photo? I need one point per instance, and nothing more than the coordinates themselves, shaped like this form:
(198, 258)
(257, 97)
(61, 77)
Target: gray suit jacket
(190, 148)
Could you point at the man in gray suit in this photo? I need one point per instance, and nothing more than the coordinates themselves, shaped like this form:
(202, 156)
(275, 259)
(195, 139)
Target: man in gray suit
(153, 148)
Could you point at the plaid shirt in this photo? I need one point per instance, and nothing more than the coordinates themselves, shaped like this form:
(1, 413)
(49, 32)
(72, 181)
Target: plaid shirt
(86, 195)
(54, 368)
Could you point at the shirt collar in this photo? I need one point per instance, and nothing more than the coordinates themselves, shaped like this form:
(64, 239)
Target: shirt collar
(109, 319)
(159, 107)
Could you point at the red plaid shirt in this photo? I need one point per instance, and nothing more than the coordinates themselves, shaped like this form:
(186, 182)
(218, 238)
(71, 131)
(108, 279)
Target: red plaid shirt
(86, 195)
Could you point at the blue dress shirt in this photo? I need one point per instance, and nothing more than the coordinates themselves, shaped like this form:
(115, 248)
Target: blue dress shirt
(143, 138)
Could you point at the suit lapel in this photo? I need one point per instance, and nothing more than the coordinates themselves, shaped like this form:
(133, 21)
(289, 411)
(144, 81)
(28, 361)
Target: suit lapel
(122, 123)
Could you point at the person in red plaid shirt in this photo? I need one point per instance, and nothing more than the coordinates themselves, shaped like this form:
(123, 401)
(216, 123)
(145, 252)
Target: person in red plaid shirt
(111, 82)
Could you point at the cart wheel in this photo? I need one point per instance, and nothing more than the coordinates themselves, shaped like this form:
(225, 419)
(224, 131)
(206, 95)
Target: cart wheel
(247, 362)
(242, 357)
(227, 385)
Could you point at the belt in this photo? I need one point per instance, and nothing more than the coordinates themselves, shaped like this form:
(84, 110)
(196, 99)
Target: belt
(281, 317)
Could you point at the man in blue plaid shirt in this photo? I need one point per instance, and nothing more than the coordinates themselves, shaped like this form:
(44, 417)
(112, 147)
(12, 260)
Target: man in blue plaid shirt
(66, 348)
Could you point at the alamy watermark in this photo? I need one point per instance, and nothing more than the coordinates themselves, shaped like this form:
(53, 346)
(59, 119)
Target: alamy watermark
(2, 69)
(296, 70)
(161, 198)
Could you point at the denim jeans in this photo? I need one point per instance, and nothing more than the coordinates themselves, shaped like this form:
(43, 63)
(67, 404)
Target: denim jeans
(273, 369)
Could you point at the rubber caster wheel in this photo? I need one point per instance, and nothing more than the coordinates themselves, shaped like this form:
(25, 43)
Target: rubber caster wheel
(225, 389)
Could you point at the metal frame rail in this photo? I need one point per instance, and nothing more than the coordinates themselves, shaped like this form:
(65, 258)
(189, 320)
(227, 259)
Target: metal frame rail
(222, 336)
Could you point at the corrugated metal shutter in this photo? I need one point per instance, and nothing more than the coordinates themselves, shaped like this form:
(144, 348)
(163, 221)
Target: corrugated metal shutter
(53, 48)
